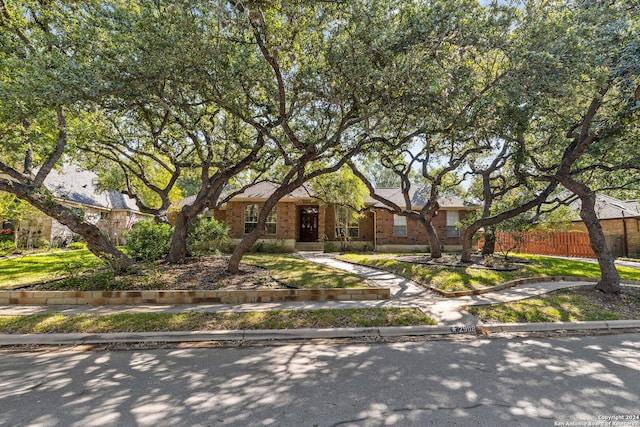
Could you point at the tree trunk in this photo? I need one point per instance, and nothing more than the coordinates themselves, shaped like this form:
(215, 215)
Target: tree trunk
(489, 241)
(467, 242)
(432, 236)
(178, 250)
(243, 247)
(97, 243)
(610, 279)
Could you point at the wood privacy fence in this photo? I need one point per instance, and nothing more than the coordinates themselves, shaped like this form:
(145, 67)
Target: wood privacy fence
(572, 244)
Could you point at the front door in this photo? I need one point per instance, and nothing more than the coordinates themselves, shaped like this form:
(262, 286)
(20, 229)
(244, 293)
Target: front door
(308, 224)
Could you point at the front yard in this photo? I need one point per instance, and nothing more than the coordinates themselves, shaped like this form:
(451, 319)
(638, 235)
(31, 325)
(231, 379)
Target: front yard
(80, 270)
(448, 275)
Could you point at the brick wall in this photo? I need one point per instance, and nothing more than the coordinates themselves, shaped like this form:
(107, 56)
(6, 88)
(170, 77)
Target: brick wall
(416, 233)
(365, 225)
(286, 223)
(614, 231)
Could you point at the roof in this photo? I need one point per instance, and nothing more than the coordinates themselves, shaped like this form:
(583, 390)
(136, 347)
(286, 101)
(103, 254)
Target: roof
(418, 198)
(75, 184)
(608, 207)
(261, 191)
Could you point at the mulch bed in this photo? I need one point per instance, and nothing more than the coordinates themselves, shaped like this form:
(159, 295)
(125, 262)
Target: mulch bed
(449, 261)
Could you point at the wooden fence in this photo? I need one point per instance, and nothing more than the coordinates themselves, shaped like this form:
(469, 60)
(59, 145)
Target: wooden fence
(572, 244)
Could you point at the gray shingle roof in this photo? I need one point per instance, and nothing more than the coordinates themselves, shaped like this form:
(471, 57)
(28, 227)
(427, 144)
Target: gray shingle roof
(75, 184)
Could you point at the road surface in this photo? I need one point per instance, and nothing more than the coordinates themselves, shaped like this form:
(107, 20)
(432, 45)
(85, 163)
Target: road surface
(477, 381)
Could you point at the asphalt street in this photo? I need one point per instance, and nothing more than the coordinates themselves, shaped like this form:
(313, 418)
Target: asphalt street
(471, 381)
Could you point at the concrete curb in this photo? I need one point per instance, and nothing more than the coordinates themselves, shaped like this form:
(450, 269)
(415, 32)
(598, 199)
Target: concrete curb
(296, 334)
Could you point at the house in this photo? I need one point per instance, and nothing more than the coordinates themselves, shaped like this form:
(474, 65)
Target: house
(74, 187)
(620, 222)
(300, 222)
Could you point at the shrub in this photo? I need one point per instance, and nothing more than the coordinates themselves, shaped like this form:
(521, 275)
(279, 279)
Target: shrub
(77, 245)
(206, 235)
(40, 243)
(7, 246)
(148, 241)
(268, 248)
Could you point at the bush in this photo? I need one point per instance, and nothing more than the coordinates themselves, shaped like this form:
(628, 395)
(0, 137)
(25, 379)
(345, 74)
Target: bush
(7, 246)
(40, 243)
(148, 241)
(206, 235)
(77, 245)
(268, 248)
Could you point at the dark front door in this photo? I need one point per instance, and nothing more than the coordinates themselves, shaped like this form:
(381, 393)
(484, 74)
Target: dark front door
(308, 224)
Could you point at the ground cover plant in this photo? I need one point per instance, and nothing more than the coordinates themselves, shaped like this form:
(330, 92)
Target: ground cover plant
(32, 269)
(81, 270)
(565, 305)
(454, 276)
(161, 322)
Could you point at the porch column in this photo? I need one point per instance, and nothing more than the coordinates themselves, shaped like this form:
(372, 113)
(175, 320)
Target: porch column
(321, 225)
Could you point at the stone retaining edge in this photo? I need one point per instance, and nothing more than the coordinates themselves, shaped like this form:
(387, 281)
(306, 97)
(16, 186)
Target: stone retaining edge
(190, 296)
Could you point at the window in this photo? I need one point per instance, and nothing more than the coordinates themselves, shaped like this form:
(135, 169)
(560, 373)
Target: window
(399, 225)
(453, 218)
(272, 221)
(347, 224)
(250, 218)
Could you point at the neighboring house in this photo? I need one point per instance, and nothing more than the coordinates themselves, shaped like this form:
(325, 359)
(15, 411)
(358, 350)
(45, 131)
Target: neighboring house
(620, 222)
(74, 187)
(300, 222)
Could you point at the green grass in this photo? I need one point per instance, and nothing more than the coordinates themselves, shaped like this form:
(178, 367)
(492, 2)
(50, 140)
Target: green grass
(32, 270)
(467, 278)
(558, 306)
(28, 270)
(163, 322)
(300, 273)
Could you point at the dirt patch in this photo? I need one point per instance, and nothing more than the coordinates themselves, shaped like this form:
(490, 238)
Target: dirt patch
(626, 303)
(450, 261)
(210, 273)
(197, 273)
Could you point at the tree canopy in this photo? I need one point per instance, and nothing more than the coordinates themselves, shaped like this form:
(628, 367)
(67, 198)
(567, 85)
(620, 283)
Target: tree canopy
(163, 98)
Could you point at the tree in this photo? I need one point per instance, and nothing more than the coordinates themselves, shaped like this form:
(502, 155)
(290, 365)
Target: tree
(165, 106)
(443, 77)
(38, 120)
(342, 191)
(589, 127)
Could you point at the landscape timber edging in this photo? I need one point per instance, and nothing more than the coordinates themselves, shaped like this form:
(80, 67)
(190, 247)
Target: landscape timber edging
(190, 296)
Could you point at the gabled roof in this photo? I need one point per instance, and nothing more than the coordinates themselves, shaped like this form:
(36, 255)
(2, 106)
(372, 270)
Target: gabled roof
(418, 198)
(608, 207)
(75, 184)
(262, 191)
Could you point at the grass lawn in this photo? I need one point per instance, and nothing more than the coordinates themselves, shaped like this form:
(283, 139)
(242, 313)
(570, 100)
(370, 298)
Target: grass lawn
(200, 273)
(465, 278)
(303, 274)
(566, 305)
(27, 270)
(162, 322)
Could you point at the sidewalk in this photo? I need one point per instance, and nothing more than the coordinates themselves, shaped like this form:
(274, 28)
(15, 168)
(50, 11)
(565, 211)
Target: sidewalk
(447, 312)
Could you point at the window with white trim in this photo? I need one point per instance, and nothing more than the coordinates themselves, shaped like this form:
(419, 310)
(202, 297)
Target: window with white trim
(272, 221)
(346, 224)
(250, 218)
(453, 219)
(399, 225)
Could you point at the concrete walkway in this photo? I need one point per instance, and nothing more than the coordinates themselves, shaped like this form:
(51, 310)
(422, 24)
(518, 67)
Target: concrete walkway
(405, 293)
(446, 311)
